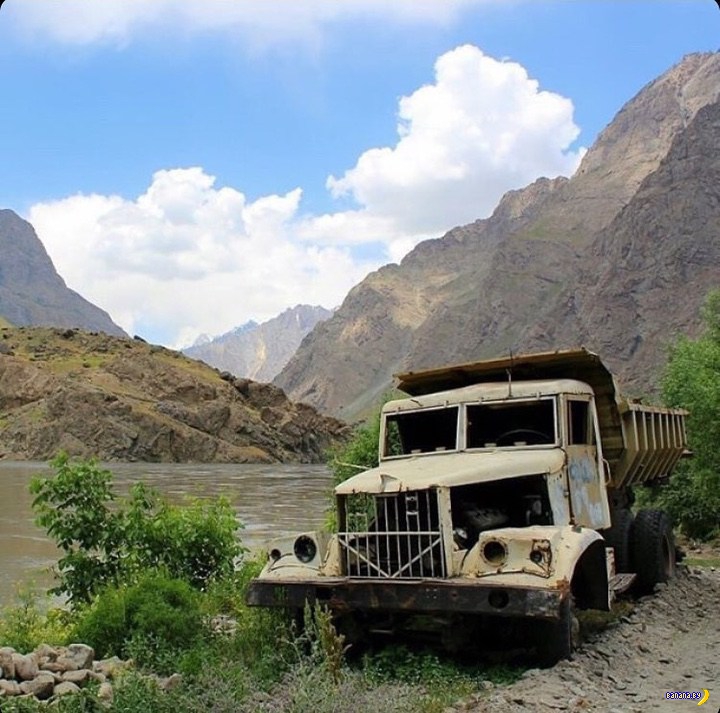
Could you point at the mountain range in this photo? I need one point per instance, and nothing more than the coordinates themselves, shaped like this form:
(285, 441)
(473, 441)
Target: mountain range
(259, 351)
(618, 258)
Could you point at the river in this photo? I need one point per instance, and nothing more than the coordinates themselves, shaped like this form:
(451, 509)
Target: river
(270, 500)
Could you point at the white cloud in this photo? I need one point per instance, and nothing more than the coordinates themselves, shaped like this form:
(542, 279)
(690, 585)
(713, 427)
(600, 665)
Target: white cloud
(483, 128)
(261, 21)
(187, 257)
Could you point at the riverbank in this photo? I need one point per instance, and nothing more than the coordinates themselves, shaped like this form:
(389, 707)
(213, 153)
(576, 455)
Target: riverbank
(269, 501)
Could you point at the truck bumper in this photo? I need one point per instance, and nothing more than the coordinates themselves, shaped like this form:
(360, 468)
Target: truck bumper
(418, 596)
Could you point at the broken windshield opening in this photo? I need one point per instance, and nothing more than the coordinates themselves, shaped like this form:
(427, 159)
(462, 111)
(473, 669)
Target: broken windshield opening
(515, 423)
(425, 431)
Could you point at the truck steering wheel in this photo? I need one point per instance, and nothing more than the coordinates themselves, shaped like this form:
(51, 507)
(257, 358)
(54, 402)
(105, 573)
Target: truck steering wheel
(510, 436)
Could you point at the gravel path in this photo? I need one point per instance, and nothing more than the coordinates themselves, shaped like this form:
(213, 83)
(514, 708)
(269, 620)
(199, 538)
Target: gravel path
(670, 641)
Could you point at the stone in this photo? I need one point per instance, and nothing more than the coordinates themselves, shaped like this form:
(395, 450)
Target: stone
(41, 687)
(80, 678)
(171, 682)
(82, 654)
(53, 667)
(65, 688)
(26, 666)
(110, 667)
(7, 665)
(10, 688)
(47, 652)
(105, 692)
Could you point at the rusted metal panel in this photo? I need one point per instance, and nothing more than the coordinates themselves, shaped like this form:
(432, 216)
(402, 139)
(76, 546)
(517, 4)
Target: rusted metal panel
(588, 496)
(342, 595)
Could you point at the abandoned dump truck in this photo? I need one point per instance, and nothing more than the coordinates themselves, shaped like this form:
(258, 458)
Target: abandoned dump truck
(503, 495)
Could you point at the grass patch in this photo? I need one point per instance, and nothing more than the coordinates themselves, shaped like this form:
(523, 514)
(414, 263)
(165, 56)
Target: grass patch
(702, 561)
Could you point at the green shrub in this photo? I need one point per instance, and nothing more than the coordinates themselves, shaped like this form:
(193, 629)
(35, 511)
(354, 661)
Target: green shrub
(692, 381)
(156, 616)
(108, 541)
(359, 453)
(33, 621)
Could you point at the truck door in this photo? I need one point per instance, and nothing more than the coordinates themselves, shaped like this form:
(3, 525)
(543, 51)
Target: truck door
(588, 497)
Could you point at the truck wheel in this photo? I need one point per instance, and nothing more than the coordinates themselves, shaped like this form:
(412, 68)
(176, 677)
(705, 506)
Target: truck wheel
(653, 549)
(557, 639)
(619, 537)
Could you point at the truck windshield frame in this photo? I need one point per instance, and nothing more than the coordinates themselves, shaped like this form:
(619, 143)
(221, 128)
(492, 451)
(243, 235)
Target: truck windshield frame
(420, 432)
(512, 423)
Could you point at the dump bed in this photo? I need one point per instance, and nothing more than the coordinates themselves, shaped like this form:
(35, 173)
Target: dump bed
(641, 443)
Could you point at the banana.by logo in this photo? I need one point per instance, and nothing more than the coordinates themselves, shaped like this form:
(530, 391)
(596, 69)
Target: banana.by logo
(700, 696)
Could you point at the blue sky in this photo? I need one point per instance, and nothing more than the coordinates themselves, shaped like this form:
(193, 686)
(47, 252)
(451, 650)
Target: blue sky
(190, 166)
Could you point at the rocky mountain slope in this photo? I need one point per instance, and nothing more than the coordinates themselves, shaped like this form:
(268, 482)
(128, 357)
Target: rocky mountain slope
(617, 258)
(260, 351)
(92, 394)
(31, 291)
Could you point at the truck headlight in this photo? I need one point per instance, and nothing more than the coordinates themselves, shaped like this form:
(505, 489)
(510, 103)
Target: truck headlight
(305, 549)
(495, 552)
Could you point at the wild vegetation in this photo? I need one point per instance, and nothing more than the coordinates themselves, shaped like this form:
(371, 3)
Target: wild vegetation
(692, 381)
(165, 585)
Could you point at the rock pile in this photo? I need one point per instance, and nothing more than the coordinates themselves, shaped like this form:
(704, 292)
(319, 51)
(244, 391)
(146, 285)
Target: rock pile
(51, 672)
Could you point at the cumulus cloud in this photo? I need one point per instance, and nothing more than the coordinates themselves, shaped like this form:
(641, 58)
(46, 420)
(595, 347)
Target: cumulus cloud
(267, 21)
(187, 257)
(482, 128)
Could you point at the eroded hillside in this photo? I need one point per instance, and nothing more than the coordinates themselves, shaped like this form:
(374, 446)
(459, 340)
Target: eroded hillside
(121, 399)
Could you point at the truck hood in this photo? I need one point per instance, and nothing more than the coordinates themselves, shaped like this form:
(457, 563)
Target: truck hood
(452, 469)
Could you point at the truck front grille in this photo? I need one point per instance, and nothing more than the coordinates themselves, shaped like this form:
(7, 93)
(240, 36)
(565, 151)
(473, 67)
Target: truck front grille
(394, 536)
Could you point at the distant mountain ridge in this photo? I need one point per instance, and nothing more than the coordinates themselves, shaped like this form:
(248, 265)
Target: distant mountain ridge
(31, 291)
(617, 258)
(259, 351)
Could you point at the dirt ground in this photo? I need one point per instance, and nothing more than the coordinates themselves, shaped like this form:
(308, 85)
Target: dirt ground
(669, 641)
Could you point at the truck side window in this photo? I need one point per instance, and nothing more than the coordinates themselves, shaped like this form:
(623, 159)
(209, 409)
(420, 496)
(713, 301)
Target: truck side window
(579, 429)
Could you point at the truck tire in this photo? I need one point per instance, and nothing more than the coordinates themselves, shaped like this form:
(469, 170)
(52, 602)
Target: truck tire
(557, 639)
(619, 537)
(653, 549)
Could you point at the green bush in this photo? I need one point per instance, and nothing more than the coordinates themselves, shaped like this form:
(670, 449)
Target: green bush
(32, 621)
(109, 541)
(158, 614)
(358, 454)
(692, 381)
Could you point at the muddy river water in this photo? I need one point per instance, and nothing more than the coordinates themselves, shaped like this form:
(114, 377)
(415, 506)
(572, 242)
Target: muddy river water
(269, 501)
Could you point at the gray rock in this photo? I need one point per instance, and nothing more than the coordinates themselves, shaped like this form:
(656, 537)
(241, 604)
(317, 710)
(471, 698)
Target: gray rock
(82, 654)
(80, 677)
(42, 687)
(26, 666)
(10, 688)
(65, 688)
(105, 692)
(7, 664)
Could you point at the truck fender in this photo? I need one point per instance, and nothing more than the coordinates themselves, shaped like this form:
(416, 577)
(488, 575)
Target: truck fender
(583, 562)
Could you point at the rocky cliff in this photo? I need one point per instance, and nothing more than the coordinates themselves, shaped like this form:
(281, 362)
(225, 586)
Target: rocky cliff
(31, 291)
(260, 351)
(617, 258)
(123, 399)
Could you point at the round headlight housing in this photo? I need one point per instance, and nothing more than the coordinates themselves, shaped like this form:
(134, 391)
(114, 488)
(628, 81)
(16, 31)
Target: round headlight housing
(305, 549)
(495, 552)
